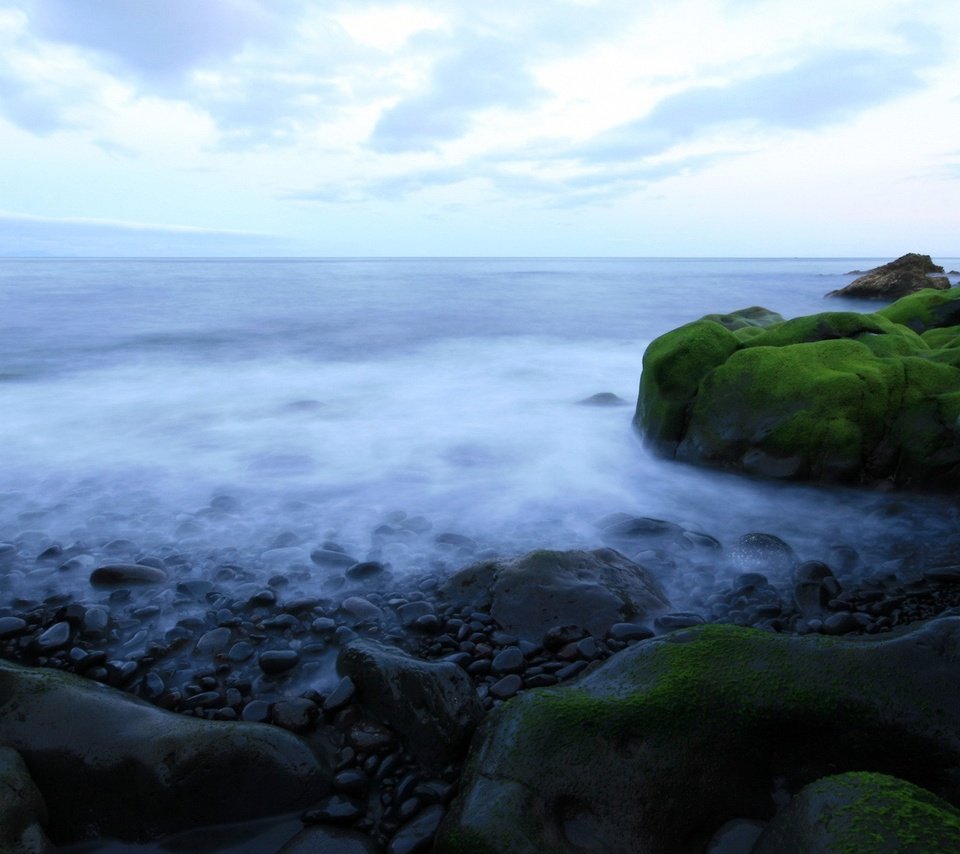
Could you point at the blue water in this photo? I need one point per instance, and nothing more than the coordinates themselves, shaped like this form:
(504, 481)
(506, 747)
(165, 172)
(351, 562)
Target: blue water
(326, 397)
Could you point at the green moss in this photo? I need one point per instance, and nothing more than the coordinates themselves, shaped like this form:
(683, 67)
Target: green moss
(753, 318)
(462, 840)
(673, 367)
(894, 814)
(924, 310)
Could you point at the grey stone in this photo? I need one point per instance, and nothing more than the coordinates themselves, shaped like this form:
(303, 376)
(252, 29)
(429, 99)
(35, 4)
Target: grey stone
(214, 641)
(361, 609)
(56, 636)
(432, 704)
(23, 812)
(417, 835)
(10, 626)
(125, 574)
(276, 661)
(529, 595)
(509, 660)
(506, 688)
(134, 771)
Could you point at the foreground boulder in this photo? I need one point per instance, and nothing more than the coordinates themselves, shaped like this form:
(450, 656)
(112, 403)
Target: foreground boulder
(111, 765)
(837, 396)
(907, 275)
(667, 741)
(432, 704)
(863, 812)
(23, 812)
(531, 594)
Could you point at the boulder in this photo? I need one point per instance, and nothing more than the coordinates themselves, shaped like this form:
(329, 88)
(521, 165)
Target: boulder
(531, 594)
(23, 812)
(860, 811)
(433, 705)
(667, 741)
(837, 396)
(907, 275)
(110, 764)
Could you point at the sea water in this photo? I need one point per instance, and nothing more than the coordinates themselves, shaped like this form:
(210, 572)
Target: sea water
(253, 410)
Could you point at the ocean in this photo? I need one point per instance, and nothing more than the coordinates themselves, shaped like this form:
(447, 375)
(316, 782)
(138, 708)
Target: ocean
(419, 412)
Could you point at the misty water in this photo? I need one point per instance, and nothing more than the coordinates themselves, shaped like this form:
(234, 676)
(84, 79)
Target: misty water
(248, 411)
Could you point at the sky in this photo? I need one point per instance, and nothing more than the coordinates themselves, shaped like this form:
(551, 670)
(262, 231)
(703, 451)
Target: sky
(492, 128)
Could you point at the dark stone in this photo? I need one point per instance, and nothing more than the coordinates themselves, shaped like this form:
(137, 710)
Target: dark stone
(56, 636)
(907, 275)
(335, 809)
(417, 835)
(123, 574)
(341, 696)
(603, 398)
(507, 687)
(295, 714)
(277, 661)
(629, 632)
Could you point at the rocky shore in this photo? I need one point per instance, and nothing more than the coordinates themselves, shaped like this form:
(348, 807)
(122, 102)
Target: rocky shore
(219, 675)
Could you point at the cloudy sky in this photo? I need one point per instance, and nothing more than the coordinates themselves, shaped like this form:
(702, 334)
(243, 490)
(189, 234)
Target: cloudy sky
(489, 127)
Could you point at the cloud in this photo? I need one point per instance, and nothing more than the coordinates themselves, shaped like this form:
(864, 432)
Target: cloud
(481, 72)
(22, 235)
(154, 38)
(827, 88)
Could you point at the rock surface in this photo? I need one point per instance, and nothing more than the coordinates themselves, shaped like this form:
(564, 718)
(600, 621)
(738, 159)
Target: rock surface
(135, 771)
(23, 812)
(858, 812)
(906, 275)
(432, 704)
(837, 396)
(531, 594)
(666, 742)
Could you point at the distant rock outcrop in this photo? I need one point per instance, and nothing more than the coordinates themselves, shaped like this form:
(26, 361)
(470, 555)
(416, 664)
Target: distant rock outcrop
(908, 274)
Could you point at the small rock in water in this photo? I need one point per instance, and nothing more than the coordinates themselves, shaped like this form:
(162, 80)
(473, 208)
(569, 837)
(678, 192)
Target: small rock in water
(360, 608)
(10, 626)
(766, 553)
(628, 632)
(122, 574)
(417, 835)
(340, 696)
(214, 641)
(332, 559)
(603, 398)
(506, 687)
(679, 620)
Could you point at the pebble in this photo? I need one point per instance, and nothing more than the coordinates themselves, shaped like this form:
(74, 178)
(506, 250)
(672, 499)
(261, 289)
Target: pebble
(417, 835)
(360, 608)
(56, 636)
(506, 687)
(340, 696)
(509, 660)
(214, 641)
(121, 574)
(335, 809)
(332, 559)
(413, 611)
(277, 661)
(10, 626)
(679, 620)
(628, 632)
(295, 714)
(256, 711)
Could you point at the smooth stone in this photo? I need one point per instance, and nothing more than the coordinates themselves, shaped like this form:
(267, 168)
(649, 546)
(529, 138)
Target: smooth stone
(189, 772)
(367, 736)
(507, 687)
(340, 696)
(10, 626)
(417, 835)
(509, 660)
(413, 611)
(56, 636)
(629, 632)
(360, 608)
(332, 559)
(322, 625)
(214, 641)
(603, 398)
(295, 714)
(256, 711)
(122, 574)
(679, 620)
(317, 839)
(240, 651)
(335, 809)
(841, 623)
(278, 661)
(365, 570)
(23, 811)
(353, 781)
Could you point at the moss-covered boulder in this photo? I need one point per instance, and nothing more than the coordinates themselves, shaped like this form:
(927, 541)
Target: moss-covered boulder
(837, 396)
(667, 741)
(108, 764)
(863, 812)
(23, 812)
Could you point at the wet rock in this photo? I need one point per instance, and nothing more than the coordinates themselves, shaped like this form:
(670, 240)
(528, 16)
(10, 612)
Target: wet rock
(417, 835)
(335, 809)
(603, 398)
(618, 759)
(23, 812)
(906, 275)
(678, 620)
(188, 771)
(56, 636)
(858, 812)
(295, 714)
(506, 688)
(318, 839)
(125, 574)
(11, 626)
(332, 559)
(214, 641)
(628, 632)
(509, 660)
(432, 704)
(766, 553)
(371, 737)
(529, 595)
(361, 609)
(413, 611)
(365, 571)
(276, 661)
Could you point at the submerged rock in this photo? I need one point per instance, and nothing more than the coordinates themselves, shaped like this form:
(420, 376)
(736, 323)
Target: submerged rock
(908, 274)
(837, 396)
(671, 739)
(112, 765)
(532, 594)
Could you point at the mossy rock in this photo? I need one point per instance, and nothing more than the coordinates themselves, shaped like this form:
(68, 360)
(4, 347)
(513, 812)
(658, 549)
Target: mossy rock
(667, 741)
(927, 309)
(837, 396)
(863, 813)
